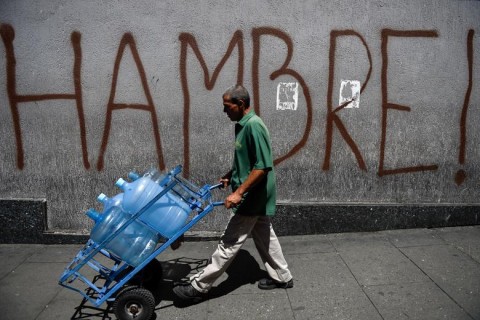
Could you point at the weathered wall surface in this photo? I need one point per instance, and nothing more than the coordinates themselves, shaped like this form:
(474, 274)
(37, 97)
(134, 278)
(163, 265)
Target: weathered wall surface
(366, 101)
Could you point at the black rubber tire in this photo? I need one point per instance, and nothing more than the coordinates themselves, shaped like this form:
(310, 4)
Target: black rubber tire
(134, 304)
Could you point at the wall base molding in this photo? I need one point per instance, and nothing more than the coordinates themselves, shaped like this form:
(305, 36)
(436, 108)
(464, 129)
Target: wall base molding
(25, 220)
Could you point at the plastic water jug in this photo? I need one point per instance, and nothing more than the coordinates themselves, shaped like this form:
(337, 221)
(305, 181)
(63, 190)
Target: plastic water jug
(107, 202)
(137, 193)
(167, 215)
(133, 245)
(153, 174)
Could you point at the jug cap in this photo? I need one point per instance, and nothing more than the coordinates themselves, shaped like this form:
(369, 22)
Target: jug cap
(92, 214)
(120, 183)
(133, 175)
(102, 197)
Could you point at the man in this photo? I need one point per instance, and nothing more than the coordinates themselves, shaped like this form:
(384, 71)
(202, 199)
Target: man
(253, 202)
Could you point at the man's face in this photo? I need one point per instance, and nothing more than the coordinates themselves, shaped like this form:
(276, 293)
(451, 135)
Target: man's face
(233, 110)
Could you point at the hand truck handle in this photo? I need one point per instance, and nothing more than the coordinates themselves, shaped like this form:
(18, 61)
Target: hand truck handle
(216, 186)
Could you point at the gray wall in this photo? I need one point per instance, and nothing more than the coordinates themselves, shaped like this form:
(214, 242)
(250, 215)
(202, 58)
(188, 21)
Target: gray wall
(90, 90)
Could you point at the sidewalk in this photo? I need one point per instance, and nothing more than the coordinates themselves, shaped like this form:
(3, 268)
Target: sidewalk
(401, 274)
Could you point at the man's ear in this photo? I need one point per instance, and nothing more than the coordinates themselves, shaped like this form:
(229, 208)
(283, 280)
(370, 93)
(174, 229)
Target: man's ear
(241, 103)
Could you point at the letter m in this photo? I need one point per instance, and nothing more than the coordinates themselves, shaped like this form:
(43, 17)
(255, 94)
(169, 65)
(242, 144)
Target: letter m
(186, 40)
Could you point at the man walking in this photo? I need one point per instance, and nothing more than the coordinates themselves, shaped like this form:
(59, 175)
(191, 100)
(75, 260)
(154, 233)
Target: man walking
(252, 201)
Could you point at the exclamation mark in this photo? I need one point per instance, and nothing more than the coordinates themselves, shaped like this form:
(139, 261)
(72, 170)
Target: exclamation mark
(461, 174)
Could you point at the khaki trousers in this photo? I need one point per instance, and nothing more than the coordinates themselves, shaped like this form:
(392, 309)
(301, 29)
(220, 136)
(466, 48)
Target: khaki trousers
(238, 229)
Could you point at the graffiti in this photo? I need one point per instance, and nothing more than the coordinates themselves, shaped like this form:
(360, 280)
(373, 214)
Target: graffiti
(188, 43)
(237, 40)
(186, 40)
(128, 40)
(332, 116)
(283, 70)
(386, 105)
(461, 174)
(8, 35)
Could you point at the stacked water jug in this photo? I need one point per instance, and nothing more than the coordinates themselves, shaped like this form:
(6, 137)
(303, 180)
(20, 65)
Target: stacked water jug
(139, 239)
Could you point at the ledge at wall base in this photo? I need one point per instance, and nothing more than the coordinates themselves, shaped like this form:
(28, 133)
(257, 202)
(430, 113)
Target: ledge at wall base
(25, 220)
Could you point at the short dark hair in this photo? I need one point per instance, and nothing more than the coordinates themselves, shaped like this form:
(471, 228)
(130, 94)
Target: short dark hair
(237, 93)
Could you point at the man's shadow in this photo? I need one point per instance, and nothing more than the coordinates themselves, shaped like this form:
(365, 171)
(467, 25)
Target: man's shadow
(243, 270)
(160, 277)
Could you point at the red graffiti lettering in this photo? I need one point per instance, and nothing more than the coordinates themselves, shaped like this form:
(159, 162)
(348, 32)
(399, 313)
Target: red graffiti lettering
(186, 40)
(8, 35)
(386, 105)
(283, 70)
(332, 116)
(128, 40)
(461, 174)
(237, 42)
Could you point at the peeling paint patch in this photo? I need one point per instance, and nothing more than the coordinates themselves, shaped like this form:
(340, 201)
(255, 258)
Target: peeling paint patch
(287, 96)
(350, 91)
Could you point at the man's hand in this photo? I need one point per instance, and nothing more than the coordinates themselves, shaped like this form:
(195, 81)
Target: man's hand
(232, 200)
(226, 179)
(255, 176)
(225, 182)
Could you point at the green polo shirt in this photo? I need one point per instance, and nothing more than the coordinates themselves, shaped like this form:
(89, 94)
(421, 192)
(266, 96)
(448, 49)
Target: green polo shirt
(253, 151)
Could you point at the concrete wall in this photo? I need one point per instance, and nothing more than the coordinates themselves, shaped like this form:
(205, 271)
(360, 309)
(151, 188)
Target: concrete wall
(90, 90)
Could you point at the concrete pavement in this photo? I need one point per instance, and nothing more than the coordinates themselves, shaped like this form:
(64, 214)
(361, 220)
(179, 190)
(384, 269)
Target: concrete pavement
(400, 274)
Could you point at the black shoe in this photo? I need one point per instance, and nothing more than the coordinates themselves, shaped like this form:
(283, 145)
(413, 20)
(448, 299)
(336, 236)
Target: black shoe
(269, 284)
(188, 293)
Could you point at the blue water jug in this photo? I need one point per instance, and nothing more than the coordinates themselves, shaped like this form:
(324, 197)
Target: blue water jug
(137, 193)
(107, 202)
(133, 245)
(153, 174)
(167, 215)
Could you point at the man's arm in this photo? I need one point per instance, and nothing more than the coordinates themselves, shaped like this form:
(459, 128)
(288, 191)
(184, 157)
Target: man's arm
(255, 176)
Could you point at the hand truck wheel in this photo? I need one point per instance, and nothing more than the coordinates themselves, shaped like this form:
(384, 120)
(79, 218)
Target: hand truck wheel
(134, 303)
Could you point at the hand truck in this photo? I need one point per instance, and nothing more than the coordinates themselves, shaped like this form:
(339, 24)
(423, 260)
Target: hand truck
(132, 302)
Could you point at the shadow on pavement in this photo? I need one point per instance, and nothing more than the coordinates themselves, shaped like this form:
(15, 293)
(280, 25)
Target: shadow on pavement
(243, 270)
(158, 277)
(161, 276)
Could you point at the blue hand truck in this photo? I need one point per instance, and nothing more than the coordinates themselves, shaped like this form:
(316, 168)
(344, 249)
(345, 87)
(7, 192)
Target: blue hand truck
(94, 263)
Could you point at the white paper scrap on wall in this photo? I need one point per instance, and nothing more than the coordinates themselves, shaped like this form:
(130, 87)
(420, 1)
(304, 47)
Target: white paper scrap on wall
(350, 91)
(287, 96)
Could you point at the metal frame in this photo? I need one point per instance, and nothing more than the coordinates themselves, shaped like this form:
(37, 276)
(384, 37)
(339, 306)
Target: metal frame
(113, 276)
